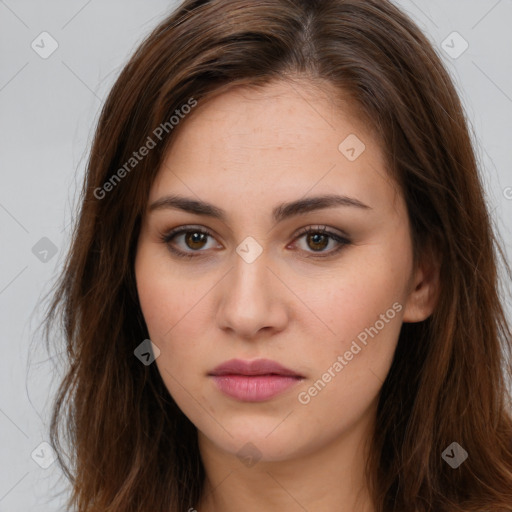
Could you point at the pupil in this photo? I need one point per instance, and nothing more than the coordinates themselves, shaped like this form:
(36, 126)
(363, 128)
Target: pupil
(195, 238)
(316, 240)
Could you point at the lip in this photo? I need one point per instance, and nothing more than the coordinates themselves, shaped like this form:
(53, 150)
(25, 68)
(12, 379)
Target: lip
(255, 367)
(253, 381)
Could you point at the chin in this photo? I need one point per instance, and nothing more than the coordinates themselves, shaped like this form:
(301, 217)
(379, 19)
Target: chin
(267, 441)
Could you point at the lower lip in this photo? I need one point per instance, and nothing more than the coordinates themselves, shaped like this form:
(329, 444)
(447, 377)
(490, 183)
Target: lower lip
(255, 388)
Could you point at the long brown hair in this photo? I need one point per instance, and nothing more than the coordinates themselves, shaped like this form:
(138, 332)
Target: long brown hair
(131, 448)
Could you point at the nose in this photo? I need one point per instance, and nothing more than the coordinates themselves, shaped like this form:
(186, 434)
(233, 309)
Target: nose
(252, 299)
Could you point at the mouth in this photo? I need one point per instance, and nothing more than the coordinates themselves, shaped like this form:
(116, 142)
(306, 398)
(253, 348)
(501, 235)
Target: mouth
(253, 381)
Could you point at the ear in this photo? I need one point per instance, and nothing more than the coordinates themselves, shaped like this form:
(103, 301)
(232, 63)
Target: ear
(425, 287)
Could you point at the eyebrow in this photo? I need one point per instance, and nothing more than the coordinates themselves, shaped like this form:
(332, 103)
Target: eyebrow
(279, 213)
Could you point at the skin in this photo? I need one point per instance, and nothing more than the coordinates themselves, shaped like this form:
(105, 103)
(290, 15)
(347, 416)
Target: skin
(246, 151)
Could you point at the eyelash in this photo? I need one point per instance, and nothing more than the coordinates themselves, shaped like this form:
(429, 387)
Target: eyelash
(168, 236)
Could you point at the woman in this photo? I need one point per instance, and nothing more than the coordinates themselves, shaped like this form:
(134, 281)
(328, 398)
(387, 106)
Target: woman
(282, 290)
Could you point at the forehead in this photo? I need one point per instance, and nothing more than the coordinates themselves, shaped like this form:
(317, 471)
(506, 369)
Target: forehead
(289, 110)
(288, 136)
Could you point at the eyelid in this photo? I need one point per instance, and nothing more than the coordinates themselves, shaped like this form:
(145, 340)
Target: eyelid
(342, 240)
(322, 228)
(167, 237)
(340, 237)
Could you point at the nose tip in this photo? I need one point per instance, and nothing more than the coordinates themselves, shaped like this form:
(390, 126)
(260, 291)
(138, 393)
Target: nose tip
(250, 301)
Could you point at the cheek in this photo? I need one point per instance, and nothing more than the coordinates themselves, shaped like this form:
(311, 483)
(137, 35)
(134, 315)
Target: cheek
(363, 308)
(348, 368)
(165, 314)
(356, 298)
(172, 307)
(164, 296)
(154, 300)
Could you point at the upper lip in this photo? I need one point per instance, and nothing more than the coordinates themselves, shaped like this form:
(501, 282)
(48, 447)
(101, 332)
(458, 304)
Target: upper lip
(255, 367)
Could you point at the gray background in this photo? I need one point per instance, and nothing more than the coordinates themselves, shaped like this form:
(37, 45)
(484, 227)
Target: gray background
(49, 108)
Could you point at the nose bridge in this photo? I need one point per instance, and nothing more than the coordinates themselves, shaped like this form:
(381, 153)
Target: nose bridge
(250, 276)
(250, 300)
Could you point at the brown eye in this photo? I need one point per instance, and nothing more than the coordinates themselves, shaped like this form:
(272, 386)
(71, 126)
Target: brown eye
(190, 242)
(195, 239)
(187, 242)
(317, 241)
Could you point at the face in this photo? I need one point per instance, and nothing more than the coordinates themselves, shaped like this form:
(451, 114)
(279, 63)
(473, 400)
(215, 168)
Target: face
(238, 272)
